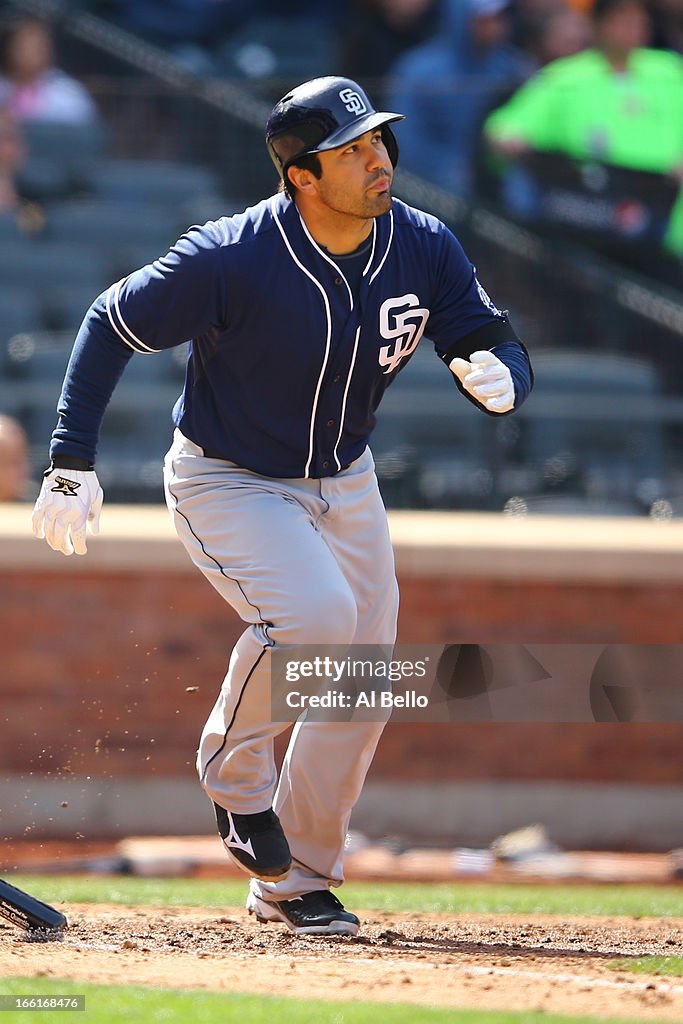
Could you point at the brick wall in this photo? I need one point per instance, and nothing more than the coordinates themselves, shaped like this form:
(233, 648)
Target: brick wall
(97, 662)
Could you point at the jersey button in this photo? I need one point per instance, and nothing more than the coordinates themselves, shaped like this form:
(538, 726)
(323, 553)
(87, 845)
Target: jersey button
(325, 464)
(330, 423)
(337, 280)
(335, 380)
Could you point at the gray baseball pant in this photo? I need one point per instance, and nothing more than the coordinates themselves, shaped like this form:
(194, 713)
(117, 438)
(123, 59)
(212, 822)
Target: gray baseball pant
(302, 562)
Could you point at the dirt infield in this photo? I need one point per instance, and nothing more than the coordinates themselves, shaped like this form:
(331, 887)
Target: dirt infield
(486, 961)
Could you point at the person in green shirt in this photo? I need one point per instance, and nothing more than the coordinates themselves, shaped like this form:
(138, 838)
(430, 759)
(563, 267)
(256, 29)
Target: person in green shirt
(617, 102)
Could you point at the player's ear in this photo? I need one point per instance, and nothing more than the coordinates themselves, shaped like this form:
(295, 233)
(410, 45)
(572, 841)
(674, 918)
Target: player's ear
(302, 179)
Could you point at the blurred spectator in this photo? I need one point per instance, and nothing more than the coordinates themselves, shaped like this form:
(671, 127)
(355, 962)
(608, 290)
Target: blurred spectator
(15, 210)
(14, 479)
(559, 32)
(32, 88)
(205, 23)
(446, 87)
(331, 10)
(668, 15)
(12, 156)
(528, 14)
(618, 102)
(377, 32)
(229, 37)
(174, 22)
(284, 44)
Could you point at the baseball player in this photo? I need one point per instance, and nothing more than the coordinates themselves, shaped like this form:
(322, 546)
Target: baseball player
(301, 311)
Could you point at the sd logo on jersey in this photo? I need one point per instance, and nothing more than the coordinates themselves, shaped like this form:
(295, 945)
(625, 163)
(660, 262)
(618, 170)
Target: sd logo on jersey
(404, 328)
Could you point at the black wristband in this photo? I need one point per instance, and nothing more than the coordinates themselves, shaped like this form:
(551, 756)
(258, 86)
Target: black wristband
(493, 333)
(71, 462)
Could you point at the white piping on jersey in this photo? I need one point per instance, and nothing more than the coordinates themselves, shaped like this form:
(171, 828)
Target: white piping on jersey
(372, 251)
(327, 259)
(329, 333)
(143, 349)
(391, 235)
(355, 346)
(346, 391)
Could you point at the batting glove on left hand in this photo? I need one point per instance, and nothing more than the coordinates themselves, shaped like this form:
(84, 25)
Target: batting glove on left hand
(487, 379)
(69, 500)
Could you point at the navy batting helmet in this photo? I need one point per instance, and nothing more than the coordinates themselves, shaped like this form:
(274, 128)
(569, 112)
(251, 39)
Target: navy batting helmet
(323, 114)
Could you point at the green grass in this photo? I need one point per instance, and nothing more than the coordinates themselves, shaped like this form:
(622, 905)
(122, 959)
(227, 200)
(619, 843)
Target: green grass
(109, 1004)
(424, 897)
(670, 966)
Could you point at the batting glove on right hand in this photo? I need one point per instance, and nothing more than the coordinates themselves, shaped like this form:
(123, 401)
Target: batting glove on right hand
(69, 500)
(486, 378)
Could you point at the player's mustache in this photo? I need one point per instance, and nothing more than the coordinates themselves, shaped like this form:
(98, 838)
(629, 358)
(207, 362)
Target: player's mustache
(384, 173)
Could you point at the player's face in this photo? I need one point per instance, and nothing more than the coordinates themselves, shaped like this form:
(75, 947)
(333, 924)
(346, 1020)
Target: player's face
(356, 178)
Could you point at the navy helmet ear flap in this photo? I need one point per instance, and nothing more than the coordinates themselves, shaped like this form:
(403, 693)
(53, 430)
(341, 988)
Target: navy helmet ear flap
(390, 144)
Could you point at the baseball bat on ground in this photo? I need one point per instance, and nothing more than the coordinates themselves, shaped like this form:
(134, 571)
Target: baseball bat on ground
(27, 912)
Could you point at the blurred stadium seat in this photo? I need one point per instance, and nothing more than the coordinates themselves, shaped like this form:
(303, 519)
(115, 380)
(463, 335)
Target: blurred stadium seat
(137, 429)
(37, 357)
(109, 223)
(431, 446)
(153, 181)
(19, 312)
(59, 158)
(10, 228)
(64, 306)
(571, 505)
(281, 48)
(594, 427)
(69, 143)
(36, 264)
(130, 235)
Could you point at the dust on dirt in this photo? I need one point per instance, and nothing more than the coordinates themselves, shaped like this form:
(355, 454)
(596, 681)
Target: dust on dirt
(489, 961)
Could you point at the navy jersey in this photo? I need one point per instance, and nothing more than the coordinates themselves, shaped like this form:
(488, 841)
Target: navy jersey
(288, 362)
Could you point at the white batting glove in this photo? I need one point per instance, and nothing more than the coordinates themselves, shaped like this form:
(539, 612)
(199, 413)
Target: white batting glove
(487, 379)
(69, 500)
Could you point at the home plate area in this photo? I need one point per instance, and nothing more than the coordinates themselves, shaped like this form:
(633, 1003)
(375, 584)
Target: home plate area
(487, 961)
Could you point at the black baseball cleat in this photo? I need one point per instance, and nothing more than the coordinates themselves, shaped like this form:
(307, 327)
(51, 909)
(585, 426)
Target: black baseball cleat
(255, 843)
(315, 913)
